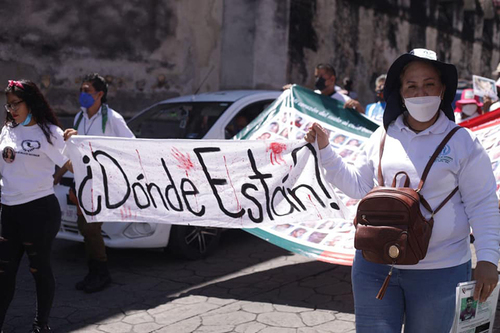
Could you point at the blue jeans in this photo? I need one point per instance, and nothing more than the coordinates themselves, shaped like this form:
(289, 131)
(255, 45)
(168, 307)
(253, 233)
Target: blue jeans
(423, 299)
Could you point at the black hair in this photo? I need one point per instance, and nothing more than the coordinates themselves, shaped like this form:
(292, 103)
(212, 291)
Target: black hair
(36, 104)
(99, 84)
(347, 82)
(329, 69)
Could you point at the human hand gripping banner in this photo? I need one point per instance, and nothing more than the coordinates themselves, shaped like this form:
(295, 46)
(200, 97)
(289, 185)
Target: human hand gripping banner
(208, 183)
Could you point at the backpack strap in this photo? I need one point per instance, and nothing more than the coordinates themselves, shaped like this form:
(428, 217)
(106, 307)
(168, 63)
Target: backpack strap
(438, 150)
(380, 153)
(444, 201)
(104, 113)
(78, 120)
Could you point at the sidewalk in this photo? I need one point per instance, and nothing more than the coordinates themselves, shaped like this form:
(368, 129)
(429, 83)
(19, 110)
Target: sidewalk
(249, 285)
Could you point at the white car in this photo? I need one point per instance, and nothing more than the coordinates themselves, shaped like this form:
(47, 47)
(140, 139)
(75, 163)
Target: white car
(216, 115)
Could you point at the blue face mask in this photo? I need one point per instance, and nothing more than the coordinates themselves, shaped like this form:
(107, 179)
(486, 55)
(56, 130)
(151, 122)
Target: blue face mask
(27, 120)
(86, 100)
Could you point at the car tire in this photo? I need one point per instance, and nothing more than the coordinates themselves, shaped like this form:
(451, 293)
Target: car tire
(192, 243)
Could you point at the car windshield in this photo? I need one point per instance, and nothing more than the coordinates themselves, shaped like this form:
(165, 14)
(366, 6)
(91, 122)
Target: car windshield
(190, 120)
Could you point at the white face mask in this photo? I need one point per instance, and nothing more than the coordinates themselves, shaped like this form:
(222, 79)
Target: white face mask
(423, 108)
(469, 109)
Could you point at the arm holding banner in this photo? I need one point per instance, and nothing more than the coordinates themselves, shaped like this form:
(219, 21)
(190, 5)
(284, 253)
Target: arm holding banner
(355, 181)
(68, 133)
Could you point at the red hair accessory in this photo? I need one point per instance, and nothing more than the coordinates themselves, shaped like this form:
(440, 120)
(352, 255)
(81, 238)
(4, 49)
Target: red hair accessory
(15, 83)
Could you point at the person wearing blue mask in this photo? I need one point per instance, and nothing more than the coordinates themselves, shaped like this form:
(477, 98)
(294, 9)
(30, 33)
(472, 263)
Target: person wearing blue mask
(31, 144)
(98, 119)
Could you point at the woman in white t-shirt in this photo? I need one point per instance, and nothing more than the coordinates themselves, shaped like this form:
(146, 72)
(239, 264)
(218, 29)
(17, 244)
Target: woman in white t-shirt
(31, 143)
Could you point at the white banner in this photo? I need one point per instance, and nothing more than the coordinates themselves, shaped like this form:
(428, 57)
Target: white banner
(231, 184)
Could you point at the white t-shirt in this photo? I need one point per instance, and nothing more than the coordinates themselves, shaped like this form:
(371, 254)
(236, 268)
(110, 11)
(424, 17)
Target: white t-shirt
(463, 163)
(460, 116)
(28, 162)
(115, 125)
(495, 106)
(340, 97)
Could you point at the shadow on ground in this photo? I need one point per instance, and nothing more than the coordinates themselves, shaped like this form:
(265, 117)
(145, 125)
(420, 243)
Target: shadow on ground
(244, 268)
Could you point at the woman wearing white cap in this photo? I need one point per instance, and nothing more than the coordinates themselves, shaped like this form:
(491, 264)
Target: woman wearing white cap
(419, 90)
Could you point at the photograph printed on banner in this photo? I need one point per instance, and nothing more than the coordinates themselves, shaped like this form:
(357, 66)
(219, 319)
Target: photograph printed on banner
(330, 235)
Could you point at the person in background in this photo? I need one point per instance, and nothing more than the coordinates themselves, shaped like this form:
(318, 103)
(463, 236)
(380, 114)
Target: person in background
(375, 111)
(325, 79)
(236, 125)
(31, 143)
(468, 106)
(348, 88)
(98, 119)
(325, 84)
(490, 104)
(419, 91)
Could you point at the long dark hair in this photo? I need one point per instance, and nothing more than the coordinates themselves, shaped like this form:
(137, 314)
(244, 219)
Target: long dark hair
(36, 103)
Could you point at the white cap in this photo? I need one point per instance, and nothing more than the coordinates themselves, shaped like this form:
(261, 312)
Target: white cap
(424, 53)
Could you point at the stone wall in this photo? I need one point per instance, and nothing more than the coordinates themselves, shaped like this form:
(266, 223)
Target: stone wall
(147, 50)
(361, 38)
(152, 50)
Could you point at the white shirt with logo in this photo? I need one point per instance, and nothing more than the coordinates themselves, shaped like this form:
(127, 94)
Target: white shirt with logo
(115, 125)
(463, 163)
(28, 162)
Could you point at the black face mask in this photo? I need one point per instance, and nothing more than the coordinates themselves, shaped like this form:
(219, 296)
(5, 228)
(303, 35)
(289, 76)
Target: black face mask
(380, 95)
(320, 83)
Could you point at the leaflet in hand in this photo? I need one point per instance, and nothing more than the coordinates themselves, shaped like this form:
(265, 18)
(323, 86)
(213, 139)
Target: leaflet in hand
(472, 316)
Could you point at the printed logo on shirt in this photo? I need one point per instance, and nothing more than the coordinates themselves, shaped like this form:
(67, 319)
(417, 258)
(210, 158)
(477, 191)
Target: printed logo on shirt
(443, 155)
(30, 145)
(8, 154)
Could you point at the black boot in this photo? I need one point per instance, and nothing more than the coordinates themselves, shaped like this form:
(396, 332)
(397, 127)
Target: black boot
(39, 328)
(80, 285)
(100, 279)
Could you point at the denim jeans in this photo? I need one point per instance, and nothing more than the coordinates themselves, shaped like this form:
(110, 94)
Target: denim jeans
(424, 300)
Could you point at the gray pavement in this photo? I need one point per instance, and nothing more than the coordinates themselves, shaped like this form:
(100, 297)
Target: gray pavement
(248, 285)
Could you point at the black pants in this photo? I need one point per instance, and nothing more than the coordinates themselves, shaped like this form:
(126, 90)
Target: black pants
(30, 228)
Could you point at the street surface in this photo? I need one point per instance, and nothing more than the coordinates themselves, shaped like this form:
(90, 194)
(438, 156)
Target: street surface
(248, 285)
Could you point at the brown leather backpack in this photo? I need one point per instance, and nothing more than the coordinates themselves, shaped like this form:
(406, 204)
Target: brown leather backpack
(390, 228)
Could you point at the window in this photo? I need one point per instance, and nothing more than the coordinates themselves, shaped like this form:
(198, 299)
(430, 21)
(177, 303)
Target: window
(244, 117)
(180, 121)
